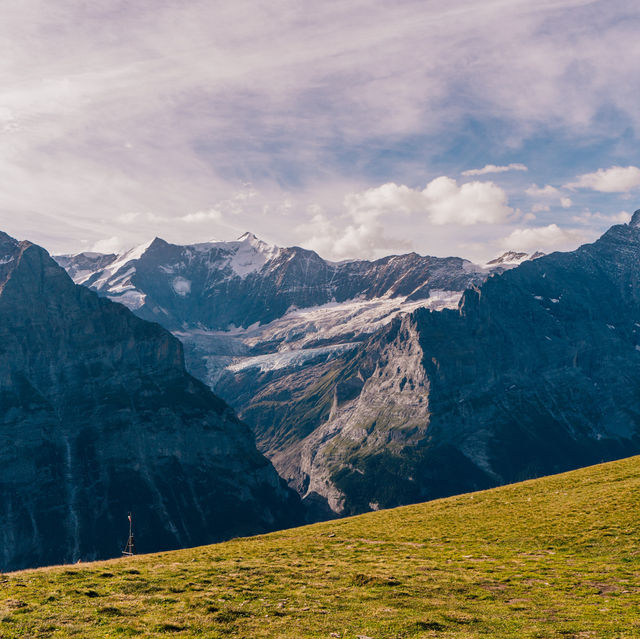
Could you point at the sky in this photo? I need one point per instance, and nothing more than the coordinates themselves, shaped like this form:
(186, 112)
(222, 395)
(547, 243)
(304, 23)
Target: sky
(357, 129)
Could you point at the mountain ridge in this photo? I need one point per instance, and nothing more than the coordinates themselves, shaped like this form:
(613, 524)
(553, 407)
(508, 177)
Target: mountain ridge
(295, 277)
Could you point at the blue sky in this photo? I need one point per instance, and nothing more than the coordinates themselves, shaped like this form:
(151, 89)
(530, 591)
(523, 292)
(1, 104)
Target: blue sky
(356, 128)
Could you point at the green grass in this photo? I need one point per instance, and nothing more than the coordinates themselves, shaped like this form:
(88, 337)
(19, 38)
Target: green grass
(553, 557)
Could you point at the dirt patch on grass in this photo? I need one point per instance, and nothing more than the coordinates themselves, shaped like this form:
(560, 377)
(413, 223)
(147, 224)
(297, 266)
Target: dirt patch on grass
(371, 580)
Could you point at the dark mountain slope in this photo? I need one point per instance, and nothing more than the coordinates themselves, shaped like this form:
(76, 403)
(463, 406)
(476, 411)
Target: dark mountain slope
(536, 372)
(98, 417)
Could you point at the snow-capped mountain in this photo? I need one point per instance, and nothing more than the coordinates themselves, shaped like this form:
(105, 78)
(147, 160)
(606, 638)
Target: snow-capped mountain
(222, 285)
(116, 276)
(511, 259)
(243, 304)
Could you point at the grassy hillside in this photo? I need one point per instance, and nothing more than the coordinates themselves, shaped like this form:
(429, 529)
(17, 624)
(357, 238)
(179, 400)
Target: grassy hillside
(554, 557)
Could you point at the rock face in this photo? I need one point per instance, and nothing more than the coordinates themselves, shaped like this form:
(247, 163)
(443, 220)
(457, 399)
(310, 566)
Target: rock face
(536, 372)
(98, 418)
(353, 434)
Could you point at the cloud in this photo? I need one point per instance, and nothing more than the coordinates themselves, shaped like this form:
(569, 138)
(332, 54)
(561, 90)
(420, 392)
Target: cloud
(442, 201)
(492, 168)
(546, 191)
(542, 238)
(539, 208)
(372, 218)
(387, 198)
(617, 179)
(112, 244)
(566, 202)
(202, 216)
(363, 235)
(127, 218)
(169, 107)
(587, 217)
(470, 203)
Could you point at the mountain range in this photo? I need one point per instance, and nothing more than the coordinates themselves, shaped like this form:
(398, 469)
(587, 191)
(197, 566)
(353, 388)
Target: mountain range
(268, 328)
(535, 372)
(366, 384)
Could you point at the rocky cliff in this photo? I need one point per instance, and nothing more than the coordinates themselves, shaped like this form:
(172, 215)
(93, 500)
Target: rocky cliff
(98, 417)
(535, 372)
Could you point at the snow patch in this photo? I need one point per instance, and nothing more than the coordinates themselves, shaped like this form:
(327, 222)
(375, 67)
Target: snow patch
(181, 286)
(81, 276)
(251, 254)
(302, 335)
(289, 359)
(131, 298)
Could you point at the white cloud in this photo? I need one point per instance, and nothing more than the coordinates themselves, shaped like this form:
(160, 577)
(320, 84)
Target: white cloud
(388, 198)
(127, 218)
(373, 218)
(539, 208)
(470, 203)
(542, 238)
(566, 202)
(168, 107)
(587, 217)
(202, 216)
(110, 245)
(342, 239)
(617, 179)
(492, 168)
(546, 191)
(442, 201)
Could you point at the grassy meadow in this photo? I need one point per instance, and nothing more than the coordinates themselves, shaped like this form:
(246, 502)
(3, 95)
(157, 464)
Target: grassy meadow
(552, 557)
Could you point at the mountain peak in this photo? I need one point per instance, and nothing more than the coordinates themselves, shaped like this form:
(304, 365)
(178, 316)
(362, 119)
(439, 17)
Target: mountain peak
(253, 240)
(514, 258)
(7, 241)
(635, 219)
(509, 257)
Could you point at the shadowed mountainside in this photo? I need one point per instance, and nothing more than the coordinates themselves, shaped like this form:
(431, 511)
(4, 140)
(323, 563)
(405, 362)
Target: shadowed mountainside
(98, 417)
